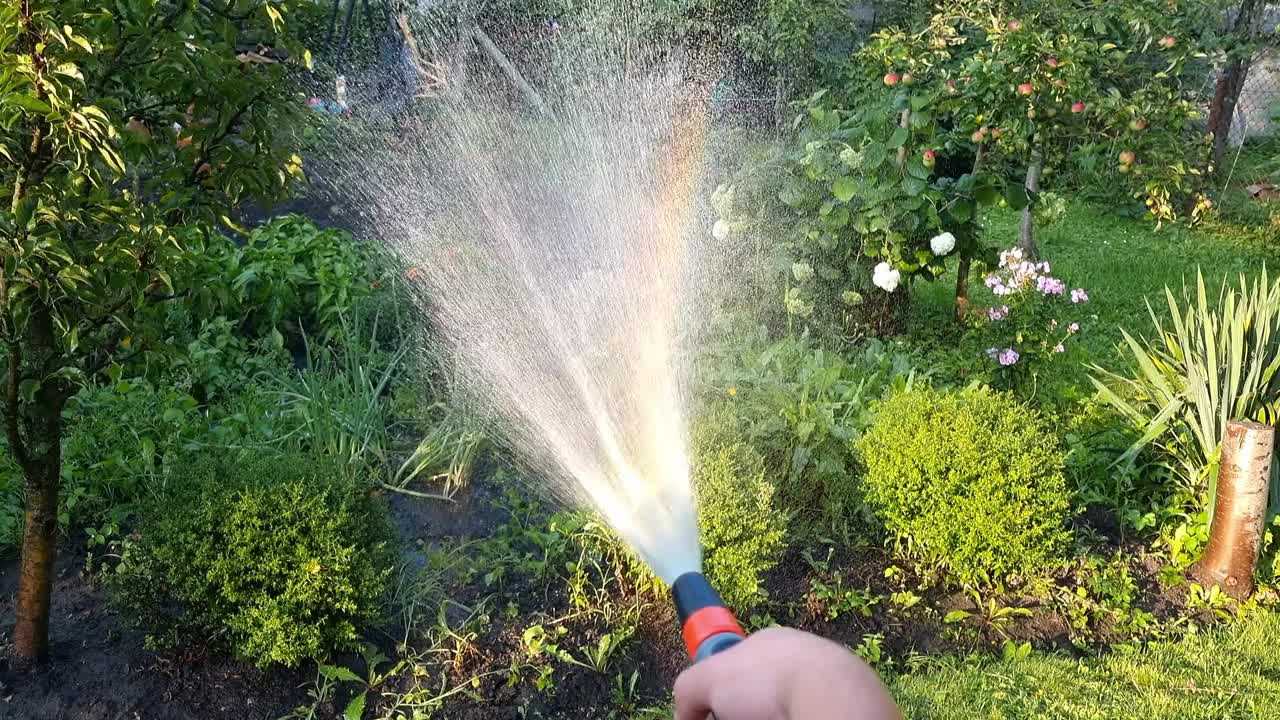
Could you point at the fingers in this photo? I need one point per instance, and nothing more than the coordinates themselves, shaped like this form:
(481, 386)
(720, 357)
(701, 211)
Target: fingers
(693, 691)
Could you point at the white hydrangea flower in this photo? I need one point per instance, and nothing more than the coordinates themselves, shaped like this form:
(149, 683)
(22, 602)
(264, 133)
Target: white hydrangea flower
(886, 277)
(942, 244)
(720, 230)
(802, 272)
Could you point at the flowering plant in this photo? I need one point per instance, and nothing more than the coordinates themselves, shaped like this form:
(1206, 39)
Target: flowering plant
(1033, 319)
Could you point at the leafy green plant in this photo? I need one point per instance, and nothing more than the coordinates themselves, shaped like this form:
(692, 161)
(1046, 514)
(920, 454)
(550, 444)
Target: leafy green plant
(971, 482)
(340, 405)
(278, 557)
(448, 451)
(1206, 364)
(801, 405)
(290, 278)
(742, 531)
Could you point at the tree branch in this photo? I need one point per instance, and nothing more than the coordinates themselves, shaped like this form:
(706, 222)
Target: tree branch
(208, 145)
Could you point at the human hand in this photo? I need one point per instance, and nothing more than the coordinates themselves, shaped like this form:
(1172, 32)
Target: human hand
(783, 674)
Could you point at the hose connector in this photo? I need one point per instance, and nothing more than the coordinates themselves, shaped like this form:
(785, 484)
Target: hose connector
(707, 625)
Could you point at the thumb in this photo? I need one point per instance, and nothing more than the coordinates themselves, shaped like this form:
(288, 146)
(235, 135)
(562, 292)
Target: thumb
(693, 690)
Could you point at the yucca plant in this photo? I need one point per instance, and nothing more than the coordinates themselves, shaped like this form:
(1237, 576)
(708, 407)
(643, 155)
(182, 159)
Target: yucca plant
(1206, 365)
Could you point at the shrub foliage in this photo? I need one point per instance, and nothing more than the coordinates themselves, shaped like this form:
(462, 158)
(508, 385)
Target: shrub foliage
(741, 529)
(971, 482)
(274, 554)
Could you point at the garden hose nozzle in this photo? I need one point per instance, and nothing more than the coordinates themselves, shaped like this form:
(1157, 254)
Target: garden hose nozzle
(708, 626)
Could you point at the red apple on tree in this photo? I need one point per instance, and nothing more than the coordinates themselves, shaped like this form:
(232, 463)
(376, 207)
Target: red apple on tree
(891, 78)
(1138, 124)
(1051, 62)
(1127, 157)
(1167, 42)
(906, 78)
(996, 133)
(1077, 107)
(1015, 25)
(1026, 88)
(929, 159)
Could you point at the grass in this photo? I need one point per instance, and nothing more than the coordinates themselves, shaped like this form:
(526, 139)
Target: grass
(1231, 673)
(1120, 261)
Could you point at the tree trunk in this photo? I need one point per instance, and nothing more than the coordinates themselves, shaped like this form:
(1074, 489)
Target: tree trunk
(1226, 92)
(966, 258)
(42, 468)
(962, 287)
(508, 68)
(1235, 537)
(1027, 233)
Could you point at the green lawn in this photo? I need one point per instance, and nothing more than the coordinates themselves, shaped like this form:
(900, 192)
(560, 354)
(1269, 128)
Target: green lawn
(1227, 674)
(1119, 261)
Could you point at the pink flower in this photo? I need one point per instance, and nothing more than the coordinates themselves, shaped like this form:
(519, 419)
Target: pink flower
(1008, 357)
(991, 280)
(998, 313)
(1073, 327)
(1079, 296)
(1050, 285)
(1058, 348)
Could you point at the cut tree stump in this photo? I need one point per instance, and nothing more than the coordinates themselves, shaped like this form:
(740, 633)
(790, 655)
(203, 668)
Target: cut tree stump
(1240, 510)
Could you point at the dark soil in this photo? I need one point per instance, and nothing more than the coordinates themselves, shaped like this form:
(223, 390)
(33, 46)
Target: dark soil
(99, 669)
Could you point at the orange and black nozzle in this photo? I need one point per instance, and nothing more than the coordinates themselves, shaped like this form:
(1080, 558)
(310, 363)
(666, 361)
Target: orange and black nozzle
(707, 624)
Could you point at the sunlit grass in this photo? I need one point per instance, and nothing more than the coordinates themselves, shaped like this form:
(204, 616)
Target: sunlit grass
(1120, 261)
(1227, 674)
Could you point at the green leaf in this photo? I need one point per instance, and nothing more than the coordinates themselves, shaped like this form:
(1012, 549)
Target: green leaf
(355, 708)
(844, 188)
(899, 138)
(333, 672)
(961, 211)
(913, 185)
(921, 119)
(916, 169)
(874, 156)
(956, 616)
(986, 194)
(27, 102)
(1016, 196)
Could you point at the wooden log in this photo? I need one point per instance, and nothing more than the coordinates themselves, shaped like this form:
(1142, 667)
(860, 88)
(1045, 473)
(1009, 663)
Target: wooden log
(1240, 510)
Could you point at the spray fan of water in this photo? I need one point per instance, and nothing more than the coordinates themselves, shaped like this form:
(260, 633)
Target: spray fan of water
(554, 258)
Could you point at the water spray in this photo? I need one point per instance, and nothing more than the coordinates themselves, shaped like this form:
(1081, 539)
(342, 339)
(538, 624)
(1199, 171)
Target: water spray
(568, 278)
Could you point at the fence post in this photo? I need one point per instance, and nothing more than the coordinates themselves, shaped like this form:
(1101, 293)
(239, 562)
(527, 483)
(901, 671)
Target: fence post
(1240, 512)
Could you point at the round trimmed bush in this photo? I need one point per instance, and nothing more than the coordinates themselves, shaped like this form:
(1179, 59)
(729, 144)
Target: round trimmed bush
(971, 482)
(277, 557)
(742, 530)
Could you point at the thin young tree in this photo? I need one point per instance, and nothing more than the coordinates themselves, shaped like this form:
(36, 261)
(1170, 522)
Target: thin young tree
(127, 134)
